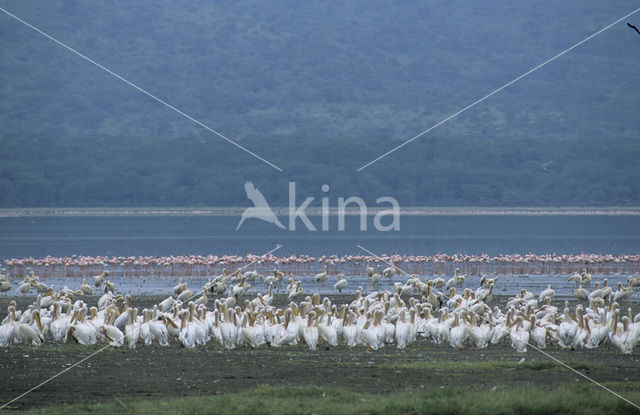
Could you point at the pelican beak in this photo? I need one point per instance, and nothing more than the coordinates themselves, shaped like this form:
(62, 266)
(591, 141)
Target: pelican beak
(37, 318)
(74, 316)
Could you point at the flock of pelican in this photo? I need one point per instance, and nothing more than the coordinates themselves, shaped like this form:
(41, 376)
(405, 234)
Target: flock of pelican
(414, 310)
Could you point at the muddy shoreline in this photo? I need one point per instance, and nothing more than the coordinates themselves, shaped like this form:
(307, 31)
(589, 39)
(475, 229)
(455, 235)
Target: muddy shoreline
(152, 372)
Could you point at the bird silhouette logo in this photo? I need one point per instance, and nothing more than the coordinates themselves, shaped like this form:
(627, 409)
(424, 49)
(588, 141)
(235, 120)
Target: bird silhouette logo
(260, 210)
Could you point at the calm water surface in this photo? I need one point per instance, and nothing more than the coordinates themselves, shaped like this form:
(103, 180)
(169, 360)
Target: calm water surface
(171, 235)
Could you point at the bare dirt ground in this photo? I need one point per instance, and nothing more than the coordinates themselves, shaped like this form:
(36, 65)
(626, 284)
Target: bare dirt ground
(153, 372)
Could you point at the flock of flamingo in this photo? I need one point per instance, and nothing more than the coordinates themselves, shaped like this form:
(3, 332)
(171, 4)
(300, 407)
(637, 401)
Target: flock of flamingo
(416, 309)
(296, 265)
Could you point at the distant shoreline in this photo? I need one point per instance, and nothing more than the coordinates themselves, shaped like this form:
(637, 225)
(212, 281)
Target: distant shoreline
(316, 211)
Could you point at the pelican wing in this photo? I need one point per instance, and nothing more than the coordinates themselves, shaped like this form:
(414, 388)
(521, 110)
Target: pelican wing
(254, 195)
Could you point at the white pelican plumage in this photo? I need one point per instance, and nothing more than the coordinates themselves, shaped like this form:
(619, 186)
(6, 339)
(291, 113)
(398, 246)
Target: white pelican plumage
(132, 329)
(187, 331)
(402, 331)
(85, 288)
(185, 295)
(80, 331)
(310, 332)
(114, 336)
(97, 280)
(229, 330)
(368, 269)
(5, 286)
(549, 292)
(349, 330)
(327, 331)
(30, 333)
(322, 277)
(459, 332)
(341, 284)
(519, 336)
(8, 329)
(389, 272)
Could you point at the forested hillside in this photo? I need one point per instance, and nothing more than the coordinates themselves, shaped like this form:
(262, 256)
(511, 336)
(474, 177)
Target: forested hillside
(111, 171)
(321, 69)
(319, 88)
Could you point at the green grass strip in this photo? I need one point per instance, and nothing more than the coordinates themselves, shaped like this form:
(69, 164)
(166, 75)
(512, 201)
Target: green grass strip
(574, 399)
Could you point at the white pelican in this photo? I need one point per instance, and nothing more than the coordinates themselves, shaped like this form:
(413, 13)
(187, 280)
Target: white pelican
(5, 286)
(459, 332)
(606, 289)
(85, 288)
(404, 289)
(481, 334)
(327, 331)
(624, 336)
(296, 290)
(310, 332)
(567, 330)
(486, 282)
(60, 324)
(321, 277)
(229, 330)
(581, 294)
(596, 293)
(538, 334)
(166, 304)
(240, 289)
(485, 294)
(219, 287)
(114, 336)
(253, 335)
(41, 287)
(634, 281)
(188, 333)
(179, 287)
(389, 272)
(438, 282)
(110, 286)
(549, 292)
(455, 280)
(368, 269)
(403, 331)
(202, 299)
(519, 335)
(349, 330)
(577, 278)
(25, 287)
(341, 284)
(288, 334)
(81, 331)
(597, 333)
(375, 278)
(8, 330)
(47, 299)
(371, 332)
(97, 280)
(29, 333)
(185, 295)
(622, 293)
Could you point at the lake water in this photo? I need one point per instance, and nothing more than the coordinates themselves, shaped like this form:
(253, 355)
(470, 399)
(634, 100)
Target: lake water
(173, 235)
(424, 235)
